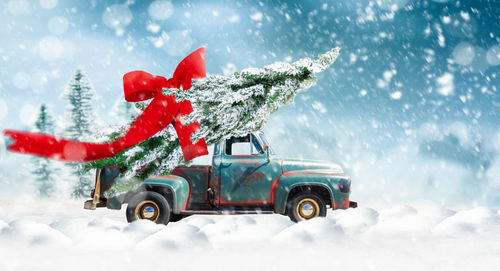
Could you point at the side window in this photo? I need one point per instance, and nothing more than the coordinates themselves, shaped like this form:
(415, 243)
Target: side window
(246, 145)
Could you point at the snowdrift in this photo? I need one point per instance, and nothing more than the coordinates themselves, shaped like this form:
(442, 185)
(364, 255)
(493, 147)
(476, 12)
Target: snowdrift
(58, 235)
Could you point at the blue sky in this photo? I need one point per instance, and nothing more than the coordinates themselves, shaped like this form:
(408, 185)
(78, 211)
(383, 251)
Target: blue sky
(416, 81)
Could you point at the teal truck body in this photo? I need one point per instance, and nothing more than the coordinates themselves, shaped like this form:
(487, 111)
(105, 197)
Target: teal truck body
(245, 177)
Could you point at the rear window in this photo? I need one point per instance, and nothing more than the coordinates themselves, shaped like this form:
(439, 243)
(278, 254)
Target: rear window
(245, 145)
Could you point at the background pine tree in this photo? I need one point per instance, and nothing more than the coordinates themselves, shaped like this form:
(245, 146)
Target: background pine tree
(44, 172)
(79, 119)
(122, 111)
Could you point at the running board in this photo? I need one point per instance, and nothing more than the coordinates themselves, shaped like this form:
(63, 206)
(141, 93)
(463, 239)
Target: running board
(227, 212)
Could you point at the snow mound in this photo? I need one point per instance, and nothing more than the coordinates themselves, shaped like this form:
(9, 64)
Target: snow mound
(248, 231)
(107, 224)
(477, 220)
(2, 225)
(355, 221)
(199, 221)
(180, 236)
(33, 233)
(362, 238)
(71, 227)
(141, 229)
(310, 232)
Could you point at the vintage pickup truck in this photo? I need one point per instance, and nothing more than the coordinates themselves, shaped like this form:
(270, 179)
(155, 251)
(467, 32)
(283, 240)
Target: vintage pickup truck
(245, 177)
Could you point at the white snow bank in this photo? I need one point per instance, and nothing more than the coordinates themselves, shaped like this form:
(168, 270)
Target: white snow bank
(2, 225)
(50, 235)
(178, 237)
(308, 233)
(355, 221)
(478, 220)
(32, 233)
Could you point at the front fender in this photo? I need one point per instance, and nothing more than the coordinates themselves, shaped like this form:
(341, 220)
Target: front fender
(177, 185)
(289, 180)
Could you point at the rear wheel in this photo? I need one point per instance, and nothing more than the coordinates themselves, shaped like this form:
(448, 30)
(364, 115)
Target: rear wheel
(148, 205)
(305, 205)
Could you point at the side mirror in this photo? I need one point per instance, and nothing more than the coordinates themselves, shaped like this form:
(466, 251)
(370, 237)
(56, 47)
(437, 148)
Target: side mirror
(266, 149)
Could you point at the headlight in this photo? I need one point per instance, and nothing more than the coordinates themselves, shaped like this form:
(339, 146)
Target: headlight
(344, 185)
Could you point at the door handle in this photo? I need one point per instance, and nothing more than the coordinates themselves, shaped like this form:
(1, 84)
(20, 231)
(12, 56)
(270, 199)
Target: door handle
(225, 164)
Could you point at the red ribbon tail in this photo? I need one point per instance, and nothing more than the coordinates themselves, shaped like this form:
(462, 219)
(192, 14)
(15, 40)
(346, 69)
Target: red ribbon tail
(190, 150)
(48, 146)
(59, 148)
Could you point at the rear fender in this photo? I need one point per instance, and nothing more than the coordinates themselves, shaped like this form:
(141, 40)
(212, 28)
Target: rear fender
(178, 186)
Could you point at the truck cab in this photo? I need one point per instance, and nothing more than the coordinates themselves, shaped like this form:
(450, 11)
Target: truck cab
(244, 176)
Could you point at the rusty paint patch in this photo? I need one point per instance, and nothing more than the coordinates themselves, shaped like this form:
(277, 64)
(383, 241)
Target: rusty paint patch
(244, 162)
(256, 176)
(344, 204)
(274, 185)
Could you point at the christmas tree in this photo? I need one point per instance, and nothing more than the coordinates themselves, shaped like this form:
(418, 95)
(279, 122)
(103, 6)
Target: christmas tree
(224, 106)
(43, 170)
(79, 118)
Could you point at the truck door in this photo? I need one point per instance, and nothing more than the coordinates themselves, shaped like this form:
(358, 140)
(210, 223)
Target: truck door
(245, 172)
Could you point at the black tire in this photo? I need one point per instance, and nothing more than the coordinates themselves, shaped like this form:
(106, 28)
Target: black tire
(148, 205)
(305, 205)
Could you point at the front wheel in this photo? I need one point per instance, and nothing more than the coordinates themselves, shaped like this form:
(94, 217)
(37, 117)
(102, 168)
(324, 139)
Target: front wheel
(306, 205)
(148, 205)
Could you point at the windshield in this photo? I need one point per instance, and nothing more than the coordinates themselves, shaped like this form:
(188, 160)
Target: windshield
(264, 140)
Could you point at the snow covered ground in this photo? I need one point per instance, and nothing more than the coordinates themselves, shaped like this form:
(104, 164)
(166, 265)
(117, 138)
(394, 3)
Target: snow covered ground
(60, 235)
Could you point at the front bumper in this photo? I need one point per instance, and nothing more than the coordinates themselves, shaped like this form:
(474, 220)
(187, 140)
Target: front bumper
(344, 203)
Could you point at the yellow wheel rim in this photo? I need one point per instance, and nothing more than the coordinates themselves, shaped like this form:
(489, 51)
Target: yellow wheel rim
(147, 209)
(307, 208)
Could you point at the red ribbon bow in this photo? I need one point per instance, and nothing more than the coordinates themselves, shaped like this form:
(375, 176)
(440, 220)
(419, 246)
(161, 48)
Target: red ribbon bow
(138, 86)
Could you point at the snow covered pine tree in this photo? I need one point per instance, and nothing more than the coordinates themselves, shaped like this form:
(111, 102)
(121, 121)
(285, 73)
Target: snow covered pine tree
(43, 170)
(224, 106)
(122, 111)
(79, 117)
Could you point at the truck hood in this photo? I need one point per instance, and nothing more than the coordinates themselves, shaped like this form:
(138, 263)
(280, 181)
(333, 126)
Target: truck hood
(299, 164)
